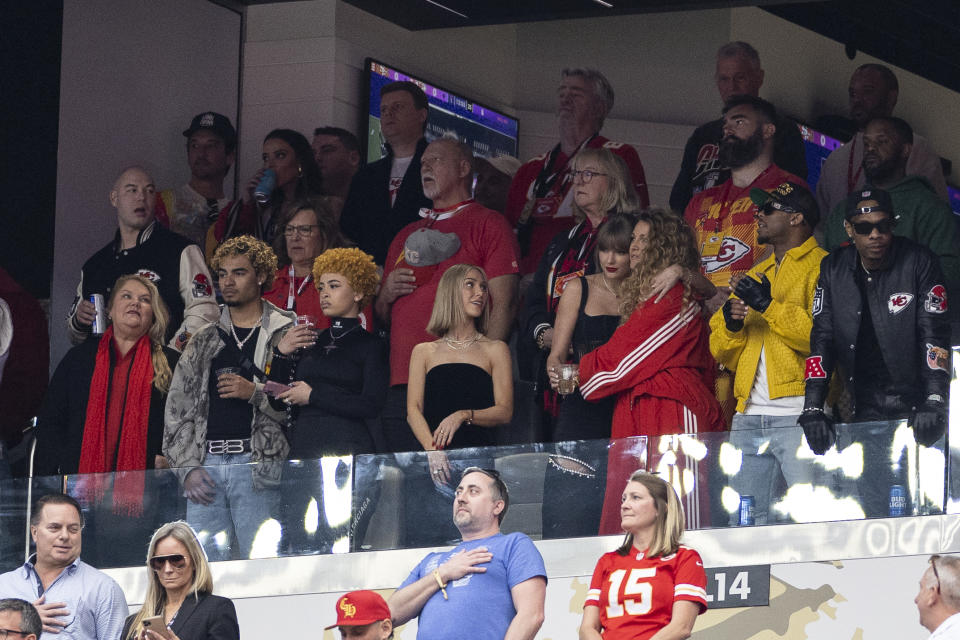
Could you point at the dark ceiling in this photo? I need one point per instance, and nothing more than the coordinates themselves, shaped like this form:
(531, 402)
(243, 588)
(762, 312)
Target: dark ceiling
(922, 36)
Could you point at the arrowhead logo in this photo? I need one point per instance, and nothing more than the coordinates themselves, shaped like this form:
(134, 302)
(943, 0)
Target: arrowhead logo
(731, 250)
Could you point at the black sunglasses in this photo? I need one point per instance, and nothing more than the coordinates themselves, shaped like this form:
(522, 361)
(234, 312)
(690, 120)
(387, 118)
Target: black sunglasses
(769, 208)
(176, 560)
(866, 228)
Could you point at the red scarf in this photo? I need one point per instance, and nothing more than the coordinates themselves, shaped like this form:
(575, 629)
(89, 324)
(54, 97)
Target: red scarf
(132, 447)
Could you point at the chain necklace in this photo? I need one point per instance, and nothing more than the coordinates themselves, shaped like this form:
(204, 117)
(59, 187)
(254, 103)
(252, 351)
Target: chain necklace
(240, 342)
(327, 348)
(606, 284)
(460, 345)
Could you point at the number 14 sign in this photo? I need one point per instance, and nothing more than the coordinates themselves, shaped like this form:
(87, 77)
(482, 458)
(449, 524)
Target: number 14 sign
(738, 587)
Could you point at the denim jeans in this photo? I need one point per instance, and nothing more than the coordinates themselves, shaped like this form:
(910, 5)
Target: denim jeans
(761, 473)
(238, 511)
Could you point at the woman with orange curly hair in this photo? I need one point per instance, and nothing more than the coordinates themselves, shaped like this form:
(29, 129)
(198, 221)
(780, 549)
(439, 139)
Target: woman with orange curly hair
(658, 362)
(337, 385)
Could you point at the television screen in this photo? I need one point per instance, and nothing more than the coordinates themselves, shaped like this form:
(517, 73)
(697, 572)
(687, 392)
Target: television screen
(954, 194)
(818, 146)
(490, 133)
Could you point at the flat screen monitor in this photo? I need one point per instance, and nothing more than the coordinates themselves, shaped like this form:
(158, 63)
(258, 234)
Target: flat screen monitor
(491, 133)
(817, 146)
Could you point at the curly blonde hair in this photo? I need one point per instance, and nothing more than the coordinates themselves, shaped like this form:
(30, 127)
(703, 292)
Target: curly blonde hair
(358, 267)
(670, 240)
(262, 257)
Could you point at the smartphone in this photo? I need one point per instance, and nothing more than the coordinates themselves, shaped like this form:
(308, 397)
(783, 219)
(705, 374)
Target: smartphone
(275, 388)
(156, 625)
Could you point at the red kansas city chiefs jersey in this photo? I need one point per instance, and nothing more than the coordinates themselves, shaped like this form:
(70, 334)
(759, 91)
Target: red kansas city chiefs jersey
(636, 594)
(722, 218)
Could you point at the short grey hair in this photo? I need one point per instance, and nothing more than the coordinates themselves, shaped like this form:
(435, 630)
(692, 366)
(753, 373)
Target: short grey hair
(948, 570)
(602, 89)
(740, 49)
(29, 618)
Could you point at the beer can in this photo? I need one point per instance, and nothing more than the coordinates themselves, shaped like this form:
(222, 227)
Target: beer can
(898, 501)
(746, 511)
(99, 325)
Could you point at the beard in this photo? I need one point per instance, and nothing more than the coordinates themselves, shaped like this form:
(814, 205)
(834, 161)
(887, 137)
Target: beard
(736, 153)
(882, 171)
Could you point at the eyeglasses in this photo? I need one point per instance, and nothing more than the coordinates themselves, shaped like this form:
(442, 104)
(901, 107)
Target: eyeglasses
(5, 632)
(585, 175)
(866, 228)
(176, 560)
(933, 565)
(302, 229)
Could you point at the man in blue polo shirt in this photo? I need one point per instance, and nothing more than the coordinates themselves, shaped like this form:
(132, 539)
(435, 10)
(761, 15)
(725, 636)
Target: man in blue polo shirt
(490, 586)
(74, 600)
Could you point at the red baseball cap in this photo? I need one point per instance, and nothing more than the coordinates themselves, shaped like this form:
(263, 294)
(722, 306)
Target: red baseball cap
(358, 608)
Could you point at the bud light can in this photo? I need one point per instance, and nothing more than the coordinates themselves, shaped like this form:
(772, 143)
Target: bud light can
(268, 182)
(898, 501)
(99, 325)
(746, 511)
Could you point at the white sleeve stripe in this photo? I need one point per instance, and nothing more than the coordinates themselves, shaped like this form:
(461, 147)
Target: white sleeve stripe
(640, 353)
(689, 590)
(593, 592)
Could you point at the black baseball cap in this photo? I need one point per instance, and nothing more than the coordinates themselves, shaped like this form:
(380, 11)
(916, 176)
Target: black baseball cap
(217, 123)
(789, 197)
(881, 197)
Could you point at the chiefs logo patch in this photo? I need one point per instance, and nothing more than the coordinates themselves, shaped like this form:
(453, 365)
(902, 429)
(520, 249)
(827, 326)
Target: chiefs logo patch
(938, 358)
(201, 286)
(817, 301)
(152, 276)
(731, 250)
(898, 302)
(814, 368)
(936, 299)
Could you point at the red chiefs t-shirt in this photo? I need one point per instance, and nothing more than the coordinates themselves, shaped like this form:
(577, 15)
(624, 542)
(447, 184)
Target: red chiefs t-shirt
(635, 594)
(486, 240)
(555, 214)
(722, 218)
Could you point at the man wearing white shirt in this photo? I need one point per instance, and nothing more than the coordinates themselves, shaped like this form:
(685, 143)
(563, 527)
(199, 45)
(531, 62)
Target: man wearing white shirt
(939, 598)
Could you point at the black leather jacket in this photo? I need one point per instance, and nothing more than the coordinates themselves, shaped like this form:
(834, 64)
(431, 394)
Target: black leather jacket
(908, 306)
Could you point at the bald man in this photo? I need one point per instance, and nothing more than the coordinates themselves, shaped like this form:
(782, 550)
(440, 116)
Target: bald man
(140, 245)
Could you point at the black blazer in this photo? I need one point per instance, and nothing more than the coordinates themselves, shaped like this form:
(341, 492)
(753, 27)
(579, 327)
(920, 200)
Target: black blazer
(208, 618)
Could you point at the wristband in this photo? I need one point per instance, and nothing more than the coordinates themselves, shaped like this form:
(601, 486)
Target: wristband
(440, 583)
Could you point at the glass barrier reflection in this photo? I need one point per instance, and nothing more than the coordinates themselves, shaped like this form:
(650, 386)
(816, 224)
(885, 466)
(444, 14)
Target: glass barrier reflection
(557, 490)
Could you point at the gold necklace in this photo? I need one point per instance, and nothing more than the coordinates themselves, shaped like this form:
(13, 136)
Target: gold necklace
(603, 279)
(460, 345)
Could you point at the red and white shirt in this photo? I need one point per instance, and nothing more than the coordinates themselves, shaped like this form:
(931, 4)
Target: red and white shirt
(636, 594)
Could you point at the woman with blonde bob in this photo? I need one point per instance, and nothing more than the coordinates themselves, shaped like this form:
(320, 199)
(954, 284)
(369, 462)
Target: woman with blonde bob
(460, 386)
(180, 592)
(652, 586)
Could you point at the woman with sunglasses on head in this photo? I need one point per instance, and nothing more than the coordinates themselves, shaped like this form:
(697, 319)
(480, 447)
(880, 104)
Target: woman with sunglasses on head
(652, 587)
(460, 385)
(289, 158)
(601, 186)
(338, 384)
(657, 363)
(180, 593)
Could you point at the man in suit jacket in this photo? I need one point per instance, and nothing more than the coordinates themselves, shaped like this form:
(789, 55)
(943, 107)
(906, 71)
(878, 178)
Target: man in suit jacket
(386, 195)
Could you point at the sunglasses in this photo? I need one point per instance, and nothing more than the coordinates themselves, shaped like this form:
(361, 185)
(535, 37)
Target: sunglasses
(769, 208)
(866, 228)
(176, 560)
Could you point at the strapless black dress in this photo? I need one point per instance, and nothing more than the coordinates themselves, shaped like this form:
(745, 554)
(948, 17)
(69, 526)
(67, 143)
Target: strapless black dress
(453, 386)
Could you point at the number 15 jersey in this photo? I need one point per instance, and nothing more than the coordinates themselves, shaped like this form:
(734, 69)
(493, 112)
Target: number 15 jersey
(635, 594)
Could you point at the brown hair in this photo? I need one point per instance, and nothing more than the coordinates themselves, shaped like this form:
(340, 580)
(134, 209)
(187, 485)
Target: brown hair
(668, 527)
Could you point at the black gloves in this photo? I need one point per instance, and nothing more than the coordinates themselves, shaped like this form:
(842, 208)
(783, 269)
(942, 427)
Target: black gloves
(819, 430)
(755, 294)
(732, 323)
(929, 422)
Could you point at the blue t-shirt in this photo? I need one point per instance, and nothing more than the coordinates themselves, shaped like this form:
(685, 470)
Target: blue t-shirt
(480, 605)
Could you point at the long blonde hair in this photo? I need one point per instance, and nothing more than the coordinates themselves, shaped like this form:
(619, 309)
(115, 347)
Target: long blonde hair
(156, 598)
(669, 241)
(620, 194)
(157, 332)
(668, 527)
(448, 309)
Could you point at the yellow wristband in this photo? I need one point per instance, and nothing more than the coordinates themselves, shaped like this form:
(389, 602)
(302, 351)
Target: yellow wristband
(440, 583)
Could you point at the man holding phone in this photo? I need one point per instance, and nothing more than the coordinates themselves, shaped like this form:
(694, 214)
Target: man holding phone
(218, 418)
(363, 615)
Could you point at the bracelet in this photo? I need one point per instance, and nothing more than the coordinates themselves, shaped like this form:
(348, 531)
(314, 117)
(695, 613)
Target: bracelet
(470, 419)
(540, 338)
(440, 583)
(809, 410)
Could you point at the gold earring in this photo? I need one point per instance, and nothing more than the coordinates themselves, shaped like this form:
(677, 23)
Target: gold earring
(299, 171)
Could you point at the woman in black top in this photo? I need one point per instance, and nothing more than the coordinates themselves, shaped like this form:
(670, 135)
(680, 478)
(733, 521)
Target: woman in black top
(338, 379)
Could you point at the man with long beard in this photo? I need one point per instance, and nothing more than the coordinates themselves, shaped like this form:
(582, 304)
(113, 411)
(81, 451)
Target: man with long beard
(722, 217)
